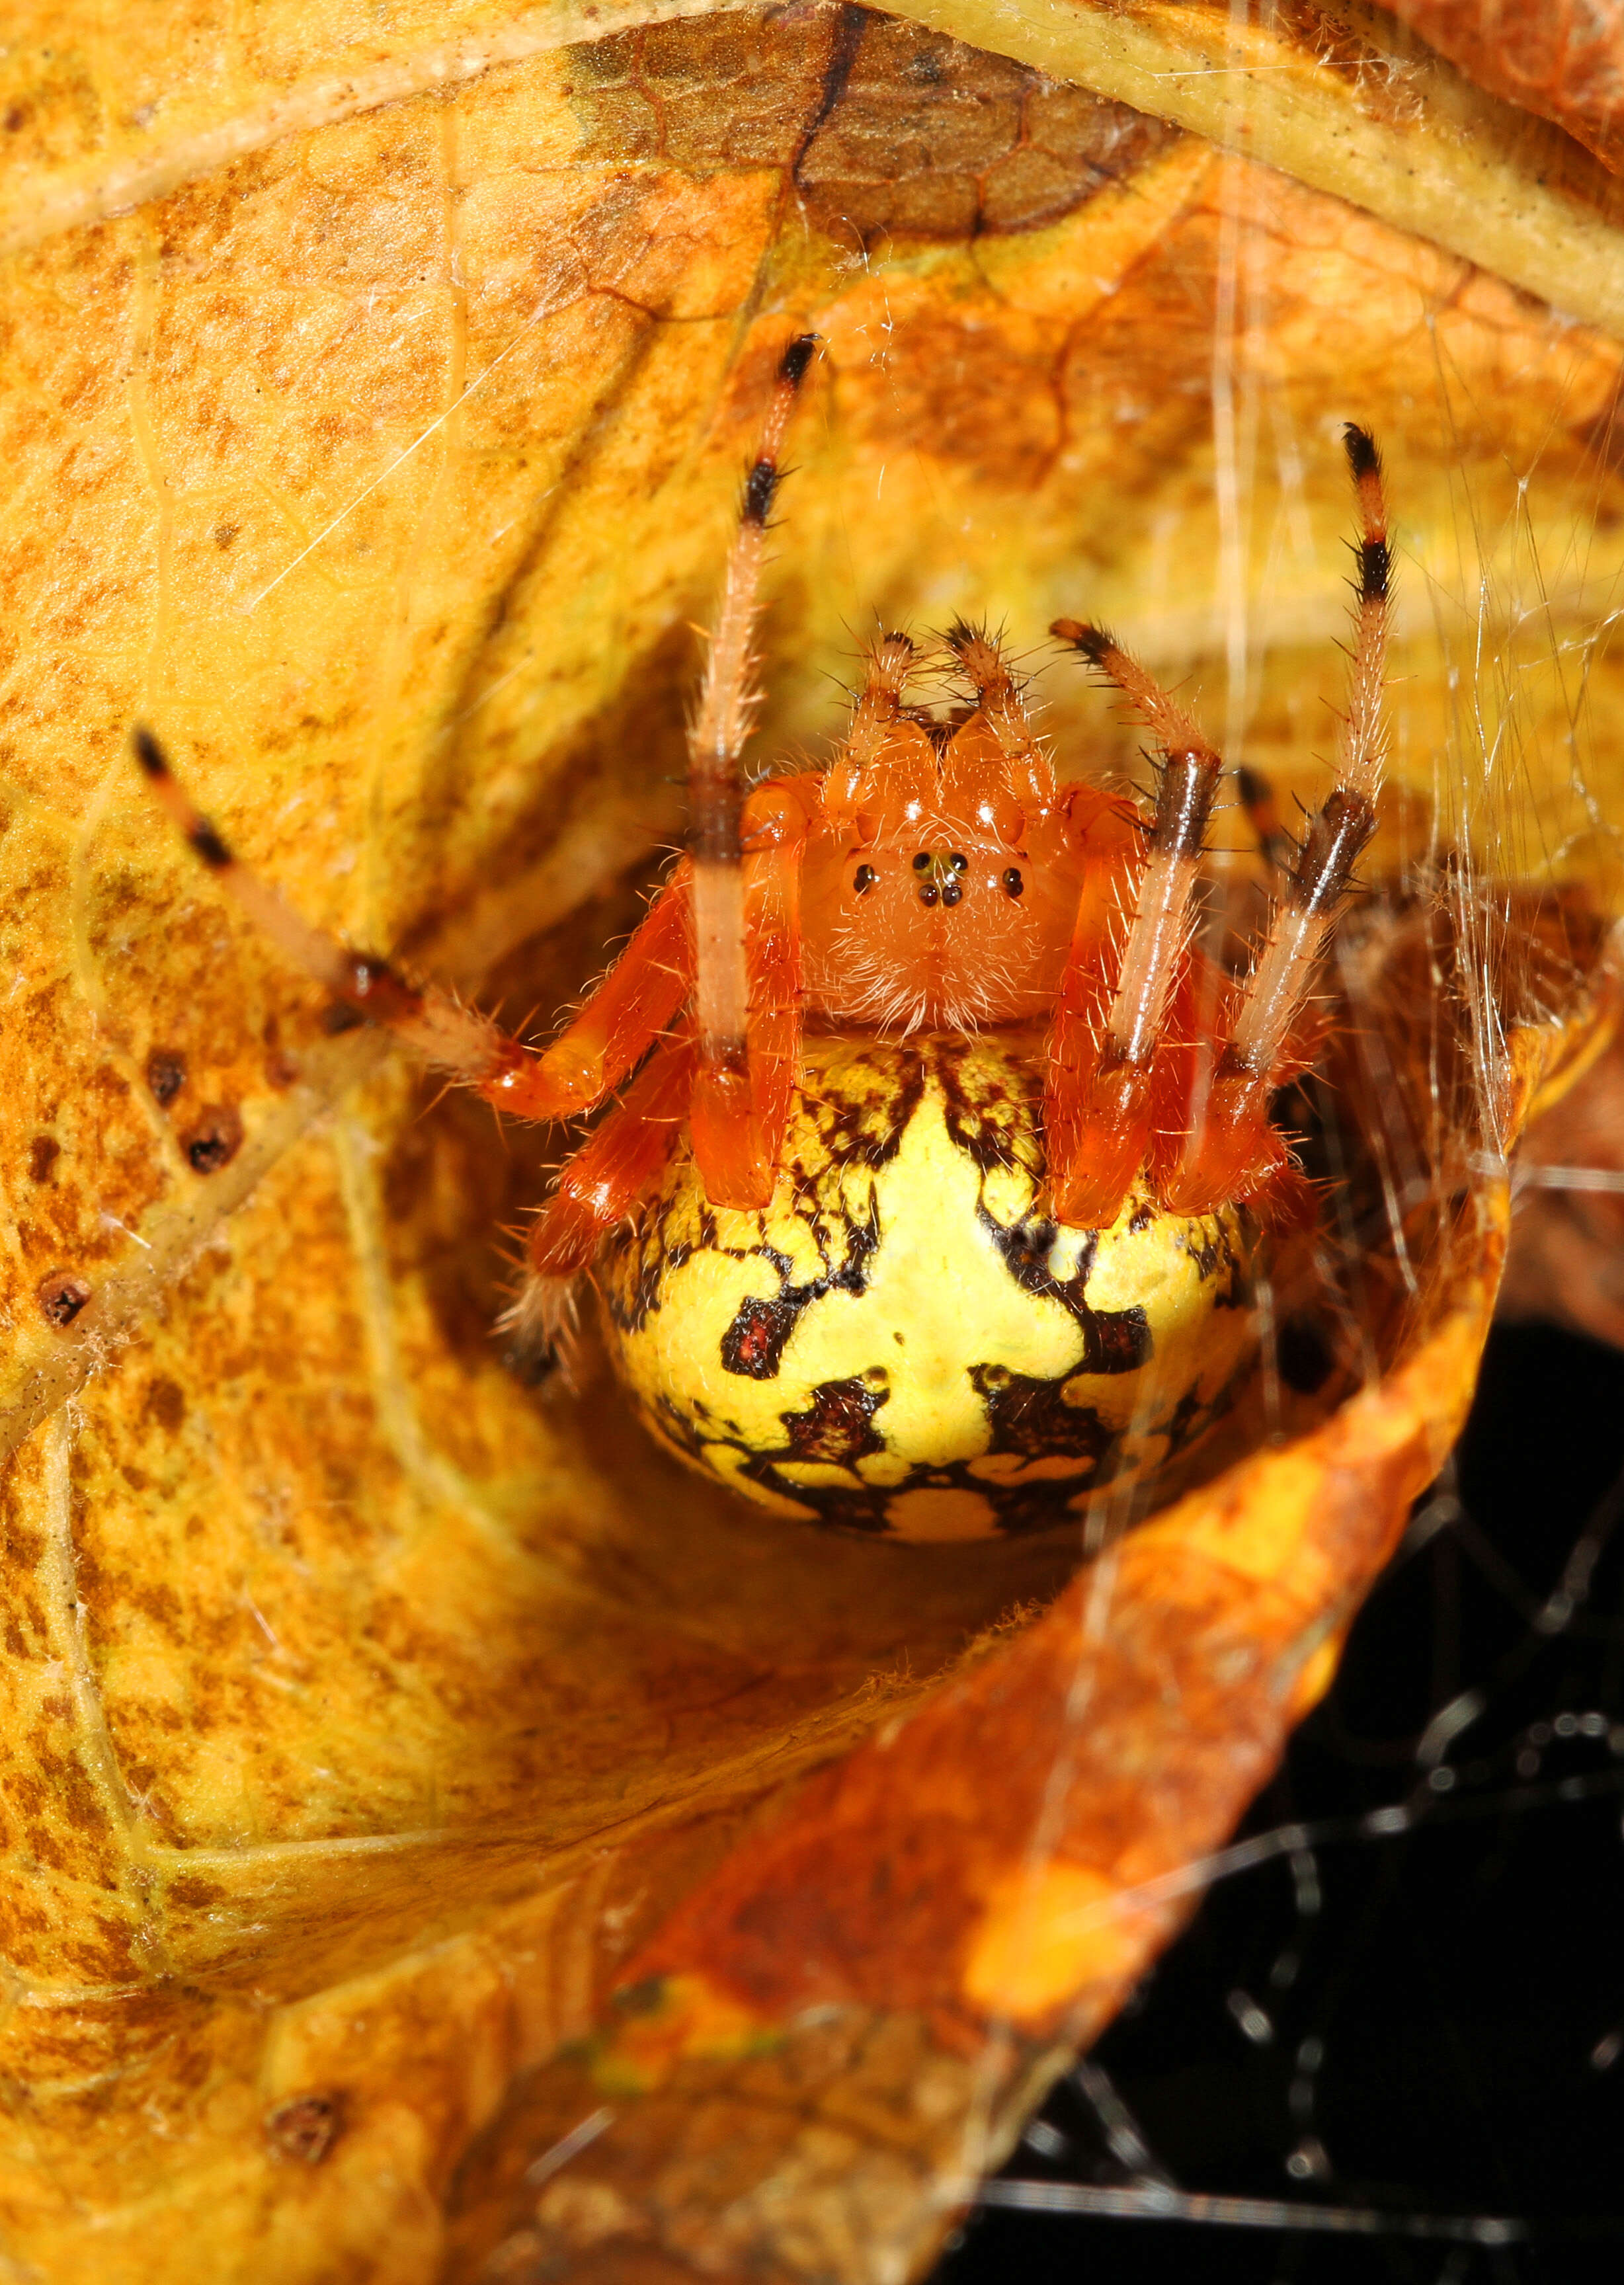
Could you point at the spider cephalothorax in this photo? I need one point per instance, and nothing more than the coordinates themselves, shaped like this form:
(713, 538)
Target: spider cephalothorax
(946, 1164)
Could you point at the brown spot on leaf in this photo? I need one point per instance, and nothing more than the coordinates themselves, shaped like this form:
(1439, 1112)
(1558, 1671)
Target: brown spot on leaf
(971, 397)
(197, 1895)
(933, 139)
(891, 131)
(44, 1151)
(165, 1404)
(215, 1140)
(306, 2127)
(62, 1297)
(166, 1073)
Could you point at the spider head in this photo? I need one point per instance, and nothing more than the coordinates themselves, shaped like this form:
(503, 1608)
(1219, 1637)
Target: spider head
(940, 907)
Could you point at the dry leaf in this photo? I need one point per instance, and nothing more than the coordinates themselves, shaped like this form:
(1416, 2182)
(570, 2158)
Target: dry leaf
(376, 395)
(1562, 59)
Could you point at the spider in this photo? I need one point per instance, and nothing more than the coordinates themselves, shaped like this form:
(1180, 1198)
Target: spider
(940, 1168)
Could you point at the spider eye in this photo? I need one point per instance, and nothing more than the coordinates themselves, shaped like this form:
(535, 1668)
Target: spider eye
(1013, 881)
(864, 879)
(921, 862)
(960, 864)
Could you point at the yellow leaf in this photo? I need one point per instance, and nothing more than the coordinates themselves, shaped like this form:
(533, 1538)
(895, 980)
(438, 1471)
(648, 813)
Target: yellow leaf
(377, 388)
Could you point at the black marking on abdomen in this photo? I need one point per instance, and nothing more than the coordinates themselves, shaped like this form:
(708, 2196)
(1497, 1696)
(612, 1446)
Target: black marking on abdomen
(753, 1346)
(838, 1429)
(1114, 1341)
(754, 1343)
(1030, 1417)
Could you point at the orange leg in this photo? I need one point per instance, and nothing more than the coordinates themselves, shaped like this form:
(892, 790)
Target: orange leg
(612, 1033)
(616, 1027)
(851, 784)
(723, 1091)
(611, 1171)
(738, 1124)
(1103, 1083)
(1078, 1130)
(1202, 1003)
(1105, 831)
(600, 1184)
(1023, 783)
(1231, 1146)
(1117, 1085)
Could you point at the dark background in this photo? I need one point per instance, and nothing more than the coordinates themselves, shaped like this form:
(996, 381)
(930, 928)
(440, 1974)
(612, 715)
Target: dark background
(1426, 2025)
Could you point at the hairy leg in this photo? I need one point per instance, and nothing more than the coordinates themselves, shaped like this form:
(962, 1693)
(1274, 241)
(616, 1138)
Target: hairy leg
(1231, 1146)
(596, 1188)
(1027, 780)
(722, 1106)
(1102, 1093)
(612, 1032)
(851, 784)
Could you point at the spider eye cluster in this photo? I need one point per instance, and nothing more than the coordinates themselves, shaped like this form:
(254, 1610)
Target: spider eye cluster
(939, 877)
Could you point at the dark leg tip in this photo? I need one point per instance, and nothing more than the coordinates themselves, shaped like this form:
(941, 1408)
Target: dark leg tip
(1093, 642)
(209, 846)
(1362, 457)
(539, 1356)
(796, 357)
(148, 752)
(533, 1363)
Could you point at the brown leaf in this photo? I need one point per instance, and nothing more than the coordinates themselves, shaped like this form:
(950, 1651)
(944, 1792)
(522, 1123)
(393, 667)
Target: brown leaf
(376, 401)
(1562, 59)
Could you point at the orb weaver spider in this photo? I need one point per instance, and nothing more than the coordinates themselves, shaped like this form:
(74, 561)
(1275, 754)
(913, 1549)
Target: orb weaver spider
(936, 1200)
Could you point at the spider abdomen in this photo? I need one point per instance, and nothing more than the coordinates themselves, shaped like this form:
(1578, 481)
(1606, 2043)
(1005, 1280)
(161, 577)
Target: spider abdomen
(903, 1342)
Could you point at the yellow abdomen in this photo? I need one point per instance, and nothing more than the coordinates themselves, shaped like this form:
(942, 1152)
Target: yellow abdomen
(903, 1342)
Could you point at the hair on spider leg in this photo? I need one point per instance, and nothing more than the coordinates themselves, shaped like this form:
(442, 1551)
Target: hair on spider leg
(962, 634)
(766, 473)
(795, 761)
(976, 635)
(541, 1331)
